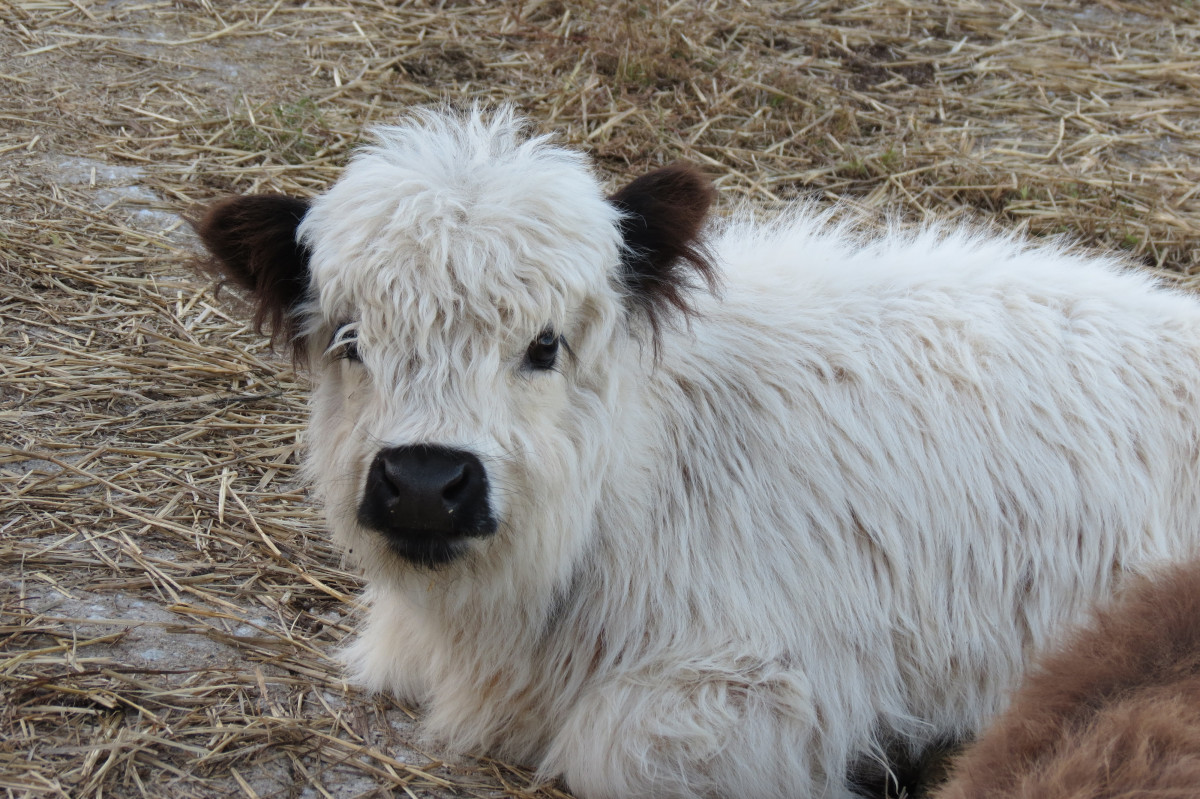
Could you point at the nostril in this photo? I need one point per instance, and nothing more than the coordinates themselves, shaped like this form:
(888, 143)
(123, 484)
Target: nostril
(457, 486)
(391, 473)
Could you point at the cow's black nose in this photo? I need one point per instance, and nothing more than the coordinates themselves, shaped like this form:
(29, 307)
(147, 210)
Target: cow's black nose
(424, 498)
(430, 488)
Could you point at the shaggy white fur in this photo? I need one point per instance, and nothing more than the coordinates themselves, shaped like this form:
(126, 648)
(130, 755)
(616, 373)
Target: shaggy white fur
(835, 510)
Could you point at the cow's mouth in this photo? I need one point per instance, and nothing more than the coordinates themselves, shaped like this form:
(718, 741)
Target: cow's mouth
(429, 551)
(430, 548)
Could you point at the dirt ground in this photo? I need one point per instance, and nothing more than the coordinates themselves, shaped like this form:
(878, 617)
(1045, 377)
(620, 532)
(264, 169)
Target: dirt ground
(170, 608)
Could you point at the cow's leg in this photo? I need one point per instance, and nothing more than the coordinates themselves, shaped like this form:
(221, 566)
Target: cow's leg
(702, 732)
(391, 653)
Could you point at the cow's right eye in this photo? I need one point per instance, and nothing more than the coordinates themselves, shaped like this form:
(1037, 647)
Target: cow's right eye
(344, 343)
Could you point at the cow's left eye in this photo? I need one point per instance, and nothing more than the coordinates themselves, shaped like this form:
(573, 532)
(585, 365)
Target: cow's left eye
(543, 352)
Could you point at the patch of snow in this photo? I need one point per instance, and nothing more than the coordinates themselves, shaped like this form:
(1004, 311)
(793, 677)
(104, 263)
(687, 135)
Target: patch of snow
(118, 188)
(73, 171)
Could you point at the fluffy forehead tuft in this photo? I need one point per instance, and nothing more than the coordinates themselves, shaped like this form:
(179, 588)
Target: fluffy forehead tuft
(461, 220)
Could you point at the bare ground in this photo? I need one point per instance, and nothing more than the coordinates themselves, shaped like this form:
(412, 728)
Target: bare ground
(169, 605)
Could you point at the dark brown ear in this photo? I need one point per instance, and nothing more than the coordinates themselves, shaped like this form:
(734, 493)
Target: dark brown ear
(662, 214)
(252, 241)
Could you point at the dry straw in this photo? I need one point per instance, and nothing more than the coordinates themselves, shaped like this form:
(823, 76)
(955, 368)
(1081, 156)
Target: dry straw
(169, 605)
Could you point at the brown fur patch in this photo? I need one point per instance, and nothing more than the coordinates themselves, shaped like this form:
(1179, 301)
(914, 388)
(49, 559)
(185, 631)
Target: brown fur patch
(664, 212)
(1114, 713)
(252, 241)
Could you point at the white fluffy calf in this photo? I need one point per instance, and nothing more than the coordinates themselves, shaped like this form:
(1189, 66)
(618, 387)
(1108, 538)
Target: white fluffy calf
(824, 519)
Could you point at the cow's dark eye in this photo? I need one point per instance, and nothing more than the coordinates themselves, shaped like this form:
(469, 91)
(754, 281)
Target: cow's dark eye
(543, 352)
(344, 343)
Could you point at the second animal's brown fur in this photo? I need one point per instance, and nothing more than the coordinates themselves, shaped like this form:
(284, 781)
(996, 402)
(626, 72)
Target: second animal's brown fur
(1116, 713)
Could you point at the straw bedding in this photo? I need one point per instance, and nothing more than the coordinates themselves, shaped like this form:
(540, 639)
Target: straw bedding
(169, 605)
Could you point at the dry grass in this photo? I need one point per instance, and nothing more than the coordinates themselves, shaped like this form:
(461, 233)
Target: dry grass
(168, 604)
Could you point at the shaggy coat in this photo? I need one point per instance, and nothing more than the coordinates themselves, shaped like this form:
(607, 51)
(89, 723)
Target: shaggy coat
(826, 517)
(1115, 713)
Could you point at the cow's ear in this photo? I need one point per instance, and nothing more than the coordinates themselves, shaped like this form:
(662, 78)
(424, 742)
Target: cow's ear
(662, 214)
(252, 244)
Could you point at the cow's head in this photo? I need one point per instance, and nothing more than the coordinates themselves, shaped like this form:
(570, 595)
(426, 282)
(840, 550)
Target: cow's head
(463, 296)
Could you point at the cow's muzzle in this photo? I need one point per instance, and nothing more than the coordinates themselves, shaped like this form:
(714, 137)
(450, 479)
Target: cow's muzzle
(427, 501)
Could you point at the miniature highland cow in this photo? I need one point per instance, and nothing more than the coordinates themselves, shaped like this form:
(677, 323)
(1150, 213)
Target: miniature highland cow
(672, 507)
(1114, 713)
